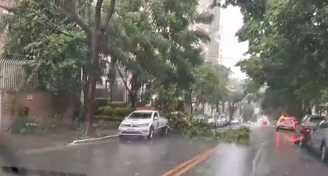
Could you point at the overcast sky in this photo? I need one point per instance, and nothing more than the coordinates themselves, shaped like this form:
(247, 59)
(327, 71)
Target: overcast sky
(232, 51)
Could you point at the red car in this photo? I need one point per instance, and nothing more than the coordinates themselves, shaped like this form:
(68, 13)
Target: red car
(305, 127)
(264, 122)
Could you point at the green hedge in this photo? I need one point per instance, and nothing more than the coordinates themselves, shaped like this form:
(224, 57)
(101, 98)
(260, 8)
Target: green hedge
(105, 102)
(114, 112)
(105, 110)
(102, 102)
(118, 105)
(108, 118)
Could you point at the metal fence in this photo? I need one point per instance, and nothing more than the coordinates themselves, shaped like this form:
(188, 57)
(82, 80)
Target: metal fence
(12, 73)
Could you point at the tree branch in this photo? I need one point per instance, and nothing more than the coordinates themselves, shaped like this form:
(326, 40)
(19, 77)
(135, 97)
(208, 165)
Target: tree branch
(124, 81)
(12, 10)
(72, 14)
(98, 12)
(108, 16)
(9, 9)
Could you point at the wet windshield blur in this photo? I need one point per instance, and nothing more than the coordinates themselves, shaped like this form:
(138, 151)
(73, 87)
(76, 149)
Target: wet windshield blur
(164, 87)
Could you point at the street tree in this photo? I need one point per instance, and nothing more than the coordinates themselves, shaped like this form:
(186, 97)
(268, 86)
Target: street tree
(93, 18)
(34, 31)
(160, 49)
(210, 85)
(287, 48)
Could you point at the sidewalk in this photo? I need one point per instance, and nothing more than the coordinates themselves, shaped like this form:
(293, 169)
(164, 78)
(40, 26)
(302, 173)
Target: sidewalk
(16, 142)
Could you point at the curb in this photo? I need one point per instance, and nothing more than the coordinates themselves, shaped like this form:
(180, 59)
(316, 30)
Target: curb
(64, 146)
(82, 141)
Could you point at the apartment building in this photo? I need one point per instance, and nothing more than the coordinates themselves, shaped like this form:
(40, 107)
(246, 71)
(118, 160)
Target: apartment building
(211, 50)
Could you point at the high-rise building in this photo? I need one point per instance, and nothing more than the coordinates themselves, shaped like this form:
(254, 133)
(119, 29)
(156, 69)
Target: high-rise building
(212, 49)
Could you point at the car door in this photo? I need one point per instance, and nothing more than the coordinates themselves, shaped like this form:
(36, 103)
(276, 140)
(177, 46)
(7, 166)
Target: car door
(156, 121)
(162, 120)
(316, 136)
(323, 133)
(299, 125)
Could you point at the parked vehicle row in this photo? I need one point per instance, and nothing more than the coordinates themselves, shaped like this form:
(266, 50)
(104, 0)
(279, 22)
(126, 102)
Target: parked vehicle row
(210, 119)
(318, 140)
(311, 132)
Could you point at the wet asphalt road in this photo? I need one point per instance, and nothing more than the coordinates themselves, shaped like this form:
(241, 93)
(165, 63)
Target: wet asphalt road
(114, 158)
(269, 154)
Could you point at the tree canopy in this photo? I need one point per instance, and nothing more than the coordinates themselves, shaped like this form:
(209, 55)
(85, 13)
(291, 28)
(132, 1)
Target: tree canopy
(287, 48)
(150, 39)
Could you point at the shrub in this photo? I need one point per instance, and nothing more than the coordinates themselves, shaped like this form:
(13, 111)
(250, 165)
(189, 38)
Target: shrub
(122, 112)
(102, 102)
(118, 105)
(106, 111)
(108, 118)
(114, 112)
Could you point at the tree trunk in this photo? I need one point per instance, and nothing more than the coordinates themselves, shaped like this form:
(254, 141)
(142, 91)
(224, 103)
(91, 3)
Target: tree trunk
(190, 97)
(91, 90)
(133, 99)
(112, 76)
(134, 90)
(217, 107)
(231, 110)
(90, 105)
(223, 106)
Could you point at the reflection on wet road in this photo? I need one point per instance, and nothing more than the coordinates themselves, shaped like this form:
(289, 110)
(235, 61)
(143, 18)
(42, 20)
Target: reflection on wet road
(270, 153)
(114, 158)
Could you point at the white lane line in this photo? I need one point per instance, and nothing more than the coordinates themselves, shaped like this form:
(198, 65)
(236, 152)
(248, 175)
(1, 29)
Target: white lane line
(256, 158)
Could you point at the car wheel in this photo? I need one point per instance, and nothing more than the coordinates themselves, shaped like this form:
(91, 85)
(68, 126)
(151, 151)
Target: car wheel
(151, 133)
(309, 145)
(324, 153)
(277, 129)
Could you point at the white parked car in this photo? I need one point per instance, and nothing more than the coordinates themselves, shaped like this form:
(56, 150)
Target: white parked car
(143, 122)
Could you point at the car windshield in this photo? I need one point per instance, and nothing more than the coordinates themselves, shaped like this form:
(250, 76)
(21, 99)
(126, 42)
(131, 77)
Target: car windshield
(140, 115)
(316, 119)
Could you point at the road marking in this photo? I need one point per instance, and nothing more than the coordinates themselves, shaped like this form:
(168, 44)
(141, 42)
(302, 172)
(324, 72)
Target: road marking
(190, 161)
(199, 160)
(256, 158)
(75, 142)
